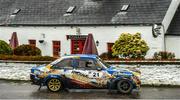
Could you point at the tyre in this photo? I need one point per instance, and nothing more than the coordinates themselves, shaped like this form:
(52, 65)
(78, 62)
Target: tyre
(124, 86)
(54, 85)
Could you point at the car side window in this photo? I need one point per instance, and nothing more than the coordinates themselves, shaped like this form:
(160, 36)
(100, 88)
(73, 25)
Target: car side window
(64, 64)
(87, 64)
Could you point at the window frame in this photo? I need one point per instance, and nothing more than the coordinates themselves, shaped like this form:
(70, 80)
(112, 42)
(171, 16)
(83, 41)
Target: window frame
(84, 67)
(54, 66)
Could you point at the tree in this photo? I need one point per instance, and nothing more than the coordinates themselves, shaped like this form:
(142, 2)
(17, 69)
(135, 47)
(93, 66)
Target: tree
(130, 46)
(5, 49)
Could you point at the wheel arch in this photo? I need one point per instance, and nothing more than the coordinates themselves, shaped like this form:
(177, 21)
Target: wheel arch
(131, 83)
(116, 80)
(53, 76)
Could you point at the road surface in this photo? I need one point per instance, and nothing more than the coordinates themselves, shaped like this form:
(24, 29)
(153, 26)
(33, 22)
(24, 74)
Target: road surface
(24, 90)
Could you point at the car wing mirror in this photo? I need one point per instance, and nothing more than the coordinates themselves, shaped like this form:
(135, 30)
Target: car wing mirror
(54, 67)
(99, 69)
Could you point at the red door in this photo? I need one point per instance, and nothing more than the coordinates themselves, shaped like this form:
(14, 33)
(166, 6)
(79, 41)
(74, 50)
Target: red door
(77, 46)
(56, 48)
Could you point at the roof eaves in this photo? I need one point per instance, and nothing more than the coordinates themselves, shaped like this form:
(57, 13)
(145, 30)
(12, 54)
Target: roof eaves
(172, 34)
(117, 24)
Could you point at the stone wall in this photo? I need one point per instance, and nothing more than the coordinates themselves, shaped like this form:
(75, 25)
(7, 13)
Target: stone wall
(150, 74)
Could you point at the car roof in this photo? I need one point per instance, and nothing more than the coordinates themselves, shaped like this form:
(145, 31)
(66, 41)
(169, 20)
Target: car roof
(80, 56)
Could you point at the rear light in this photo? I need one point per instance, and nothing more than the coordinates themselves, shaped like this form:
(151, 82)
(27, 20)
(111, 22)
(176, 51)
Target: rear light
(137, 80)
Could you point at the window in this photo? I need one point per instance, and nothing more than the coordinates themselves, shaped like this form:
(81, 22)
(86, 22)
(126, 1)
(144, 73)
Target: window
(64, 64)
(124, 7)
(109, 47)
(70, 9)
(16, 11)
(86, 64)
(32, 43)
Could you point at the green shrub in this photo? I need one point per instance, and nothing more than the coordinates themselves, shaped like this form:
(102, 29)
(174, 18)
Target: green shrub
(164, 55)
(130, 46)
(5, 48)
(108, 56)
(27, 50)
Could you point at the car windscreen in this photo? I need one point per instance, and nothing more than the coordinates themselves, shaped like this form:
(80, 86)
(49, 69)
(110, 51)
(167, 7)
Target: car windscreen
(103, 63)
(55, 62)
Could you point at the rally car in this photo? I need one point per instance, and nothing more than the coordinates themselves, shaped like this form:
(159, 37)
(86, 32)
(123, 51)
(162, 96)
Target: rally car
(84, 72)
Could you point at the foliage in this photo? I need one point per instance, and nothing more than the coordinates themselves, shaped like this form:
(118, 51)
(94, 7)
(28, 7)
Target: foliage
(108, 56)
(27, 50)
(164, 55)
(5, 48)
(130, 46)
(26, 58)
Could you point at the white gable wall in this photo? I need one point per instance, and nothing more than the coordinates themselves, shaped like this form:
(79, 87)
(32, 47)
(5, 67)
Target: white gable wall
(171, 42)
(103, 34)
(173, 45)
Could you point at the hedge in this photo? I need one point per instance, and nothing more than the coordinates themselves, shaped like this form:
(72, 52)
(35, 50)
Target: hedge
(26, 58)
(27, 50)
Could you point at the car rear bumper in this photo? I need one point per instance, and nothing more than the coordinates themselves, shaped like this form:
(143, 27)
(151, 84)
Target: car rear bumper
(136, 90)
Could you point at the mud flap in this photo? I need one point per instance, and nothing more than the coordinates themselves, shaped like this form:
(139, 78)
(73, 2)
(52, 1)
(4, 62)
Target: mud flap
(40, 83)
(110, 85)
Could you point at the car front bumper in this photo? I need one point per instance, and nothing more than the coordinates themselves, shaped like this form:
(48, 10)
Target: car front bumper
(35, 80)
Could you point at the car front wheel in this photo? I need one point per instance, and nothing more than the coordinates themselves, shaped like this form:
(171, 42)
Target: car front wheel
(54, 85)
(124, 86)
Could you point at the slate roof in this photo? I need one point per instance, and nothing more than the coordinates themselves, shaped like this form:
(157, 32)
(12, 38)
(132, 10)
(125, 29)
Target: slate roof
(174, 28)
(87, 12)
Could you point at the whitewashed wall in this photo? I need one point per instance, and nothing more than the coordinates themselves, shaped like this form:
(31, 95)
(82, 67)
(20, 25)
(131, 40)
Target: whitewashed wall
(173, 45)
(103, 34)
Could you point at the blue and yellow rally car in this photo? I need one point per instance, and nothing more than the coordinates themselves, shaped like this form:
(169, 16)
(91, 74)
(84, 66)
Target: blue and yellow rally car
(84, 72)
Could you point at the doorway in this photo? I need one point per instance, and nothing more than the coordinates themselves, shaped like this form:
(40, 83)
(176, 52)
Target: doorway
(77, 46)
(56, 48)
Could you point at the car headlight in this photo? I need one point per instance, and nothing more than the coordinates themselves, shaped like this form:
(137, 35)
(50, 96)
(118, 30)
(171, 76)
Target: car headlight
(137, 74)
(38, 73)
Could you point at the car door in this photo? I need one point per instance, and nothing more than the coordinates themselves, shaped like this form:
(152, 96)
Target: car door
(64, 69)
(87, 75)
(79, 76)
(96, 73)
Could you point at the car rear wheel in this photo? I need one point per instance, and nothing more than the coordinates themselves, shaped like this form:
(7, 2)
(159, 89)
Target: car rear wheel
(124, 86)
(54, 85)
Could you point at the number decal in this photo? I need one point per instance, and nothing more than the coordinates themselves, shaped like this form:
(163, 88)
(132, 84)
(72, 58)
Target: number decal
(95, 74)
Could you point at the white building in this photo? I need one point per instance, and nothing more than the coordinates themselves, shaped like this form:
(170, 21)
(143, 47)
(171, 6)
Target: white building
(60, 27)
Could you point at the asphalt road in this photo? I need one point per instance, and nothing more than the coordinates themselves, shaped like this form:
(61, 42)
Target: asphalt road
(24, 90)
